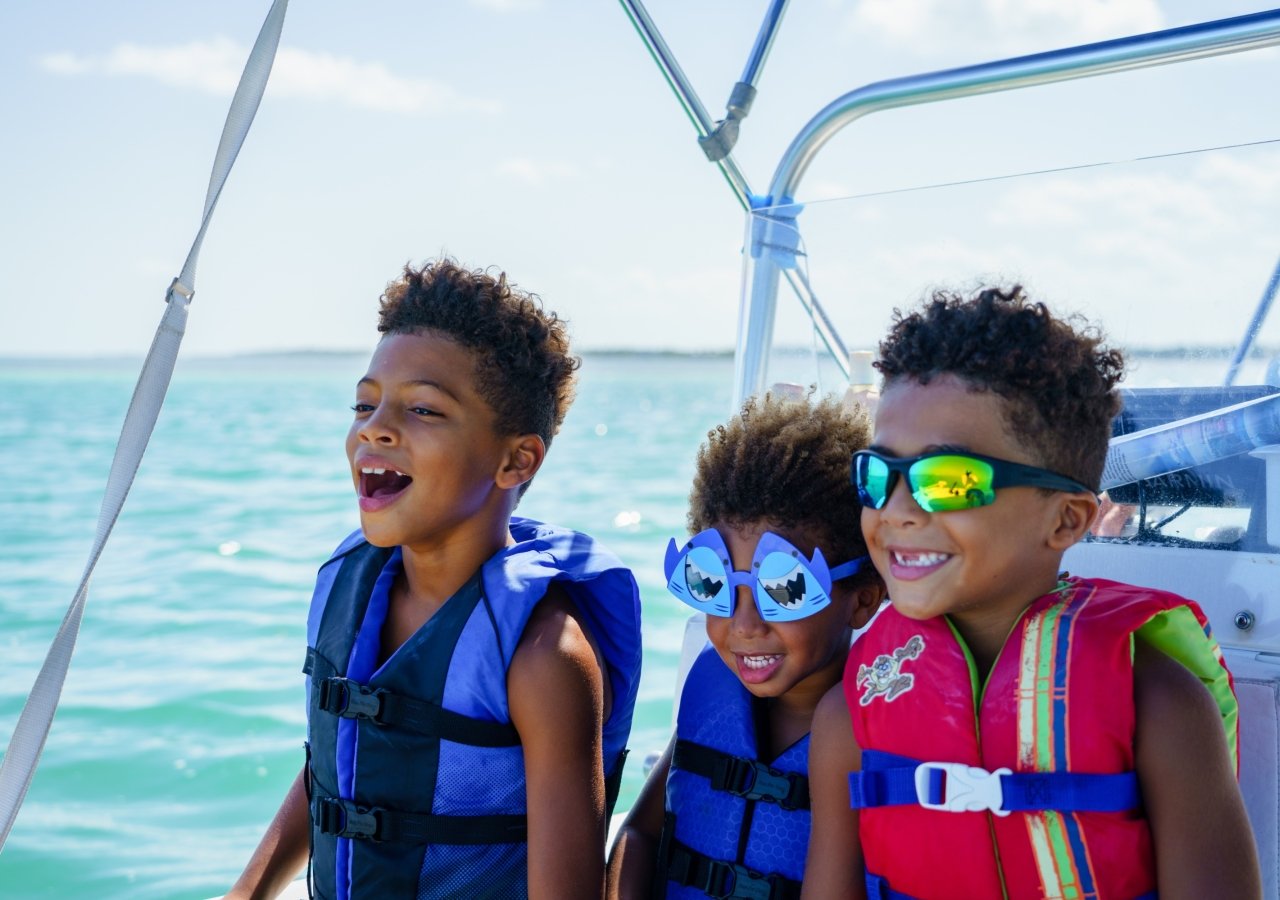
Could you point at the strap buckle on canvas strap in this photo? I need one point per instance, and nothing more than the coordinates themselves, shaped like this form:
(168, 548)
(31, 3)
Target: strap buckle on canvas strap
(746, 778)
(350, 699)
(347, 819)
(887, 779)
(726, 881)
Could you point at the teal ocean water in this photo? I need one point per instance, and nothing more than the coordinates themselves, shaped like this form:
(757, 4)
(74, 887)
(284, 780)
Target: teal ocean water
(182, 722)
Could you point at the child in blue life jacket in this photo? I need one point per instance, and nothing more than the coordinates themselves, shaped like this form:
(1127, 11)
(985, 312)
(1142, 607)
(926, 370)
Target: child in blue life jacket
(1004, 730)
(471, 674)
(778, 565)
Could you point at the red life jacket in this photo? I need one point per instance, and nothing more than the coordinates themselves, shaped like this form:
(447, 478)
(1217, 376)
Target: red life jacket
(1059, 700)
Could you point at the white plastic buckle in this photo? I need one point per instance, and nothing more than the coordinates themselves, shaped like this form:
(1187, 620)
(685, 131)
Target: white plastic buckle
(966, 788)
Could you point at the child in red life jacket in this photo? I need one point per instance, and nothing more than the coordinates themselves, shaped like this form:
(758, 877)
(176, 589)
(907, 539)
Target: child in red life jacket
(1003, 730)
(778, 565)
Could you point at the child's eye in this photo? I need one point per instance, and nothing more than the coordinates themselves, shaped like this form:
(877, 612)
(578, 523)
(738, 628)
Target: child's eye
(362, 408)
(422, 411)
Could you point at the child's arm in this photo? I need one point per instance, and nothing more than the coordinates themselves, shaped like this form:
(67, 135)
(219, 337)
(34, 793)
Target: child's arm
(555, 688)
(834, 865)
(633, 857)
(282, 852)
(1203, 843)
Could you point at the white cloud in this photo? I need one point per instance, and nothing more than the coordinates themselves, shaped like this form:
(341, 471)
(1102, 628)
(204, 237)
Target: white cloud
(214, 66)
(508, 6)
(64, 64)
(1001, 27)
(1219, 194)
(826, 190)
(535, 173)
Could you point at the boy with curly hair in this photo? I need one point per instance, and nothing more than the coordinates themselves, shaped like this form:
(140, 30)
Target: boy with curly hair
(472, 674)
(1003, 729)
(725, 812)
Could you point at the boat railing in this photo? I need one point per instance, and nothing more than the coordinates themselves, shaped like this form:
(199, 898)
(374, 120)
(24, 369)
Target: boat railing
(779, 211)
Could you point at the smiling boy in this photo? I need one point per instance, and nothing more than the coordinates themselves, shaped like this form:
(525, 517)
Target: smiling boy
(1004, 729)
(472, 675)
(725, 811)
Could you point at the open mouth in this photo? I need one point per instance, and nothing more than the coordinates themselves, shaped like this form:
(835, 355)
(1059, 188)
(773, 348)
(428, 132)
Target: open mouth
(382, 483)
(919, 560)
(760, 662)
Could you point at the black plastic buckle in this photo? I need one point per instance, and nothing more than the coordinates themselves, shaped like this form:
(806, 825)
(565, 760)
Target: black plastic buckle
(727, 881)
(351, 699)
(345, 819)
(755, 781)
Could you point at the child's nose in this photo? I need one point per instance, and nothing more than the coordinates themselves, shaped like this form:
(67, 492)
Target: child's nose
(378, 429)
(746, 617)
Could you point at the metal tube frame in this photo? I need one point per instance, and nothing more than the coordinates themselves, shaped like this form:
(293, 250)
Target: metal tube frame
(1255, 325)
(685, 93)
(764, 42)
(702, 123)
(1205, 39)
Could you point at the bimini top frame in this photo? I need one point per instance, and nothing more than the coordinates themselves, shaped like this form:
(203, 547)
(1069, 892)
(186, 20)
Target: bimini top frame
(759, 299)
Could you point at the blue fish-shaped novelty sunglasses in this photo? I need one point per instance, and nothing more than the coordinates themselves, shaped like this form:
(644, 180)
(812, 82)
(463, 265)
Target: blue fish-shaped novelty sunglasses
(785, 584)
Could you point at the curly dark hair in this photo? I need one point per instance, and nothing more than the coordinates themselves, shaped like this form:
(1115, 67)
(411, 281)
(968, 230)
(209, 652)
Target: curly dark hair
(1056, 374)
(785, 461)
(523, 368)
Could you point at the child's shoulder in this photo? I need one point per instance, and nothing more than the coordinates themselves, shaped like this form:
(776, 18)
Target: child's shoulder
(543, 554)
(547, 562)
(574, 551)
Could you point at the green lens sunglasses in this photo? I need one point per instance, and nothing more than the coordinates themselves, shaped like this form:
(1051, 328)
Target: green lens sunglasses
(945, 481)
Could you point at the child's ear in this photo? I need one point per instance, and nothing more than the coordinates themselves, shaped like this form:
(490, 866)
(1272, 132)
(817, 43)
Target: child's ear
(1075, 515)
(524, 457)
(866, 600)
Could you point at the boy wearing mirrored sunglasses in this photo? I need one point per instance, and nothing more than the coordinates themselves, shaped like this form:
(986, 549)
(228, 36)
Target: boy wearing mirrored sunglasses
(1015, 732)
(778, 565)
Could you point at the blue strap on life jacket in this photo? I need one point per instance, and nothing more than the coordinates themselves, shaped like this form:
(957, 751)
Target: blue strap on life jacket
(887, 779)
(878, 889)
(742, 777)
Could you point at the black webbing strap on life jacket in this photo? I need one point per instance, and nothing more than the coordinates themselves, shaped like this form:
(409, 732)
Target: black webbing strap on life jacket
(344, 818)
(746, 778)
(352, 700)
(725, 881)
(613, 784)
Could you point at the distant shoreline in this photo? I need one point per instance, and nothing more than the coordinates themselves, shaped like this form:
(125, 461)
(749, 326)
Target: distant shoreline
(1202, 352)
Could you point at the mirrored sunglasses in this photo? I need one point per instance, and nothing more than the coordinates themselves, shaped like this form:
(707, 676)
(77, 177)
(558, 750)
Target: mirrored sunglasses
(945, 481)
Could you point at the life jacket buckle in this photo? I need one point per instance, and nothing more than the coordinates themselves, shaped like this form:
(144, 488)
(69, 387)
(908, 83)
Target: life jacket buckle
(351, 699)
(727, 881)
(955, 787)
(754, 780)
(345, 819)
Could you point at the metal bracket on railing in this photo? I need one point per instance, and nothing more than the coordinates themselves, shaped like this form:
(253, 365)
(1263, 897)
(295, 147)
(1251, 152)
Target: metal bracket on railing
(776, 236)
(719, 143)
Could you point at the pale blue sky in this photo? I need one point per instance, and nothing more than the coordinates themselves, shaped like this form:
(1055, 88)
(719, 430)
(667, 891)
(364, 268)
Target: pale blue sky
(538, 135)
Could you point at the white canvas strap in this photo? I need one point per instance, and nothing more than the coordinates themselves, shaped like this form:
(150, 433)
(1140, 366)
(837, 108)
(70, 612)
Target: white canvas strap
(28, 739)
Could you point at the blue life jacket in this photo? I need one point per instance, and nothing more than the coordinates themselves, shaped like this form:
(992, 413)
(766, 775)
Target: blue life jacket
(416, 775)
(735, 827)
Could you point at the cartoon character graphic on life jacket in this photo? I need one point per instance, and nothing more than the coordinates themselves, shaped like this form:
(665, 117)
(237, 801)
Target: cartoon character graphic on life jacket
(884, 677)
